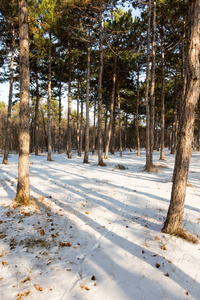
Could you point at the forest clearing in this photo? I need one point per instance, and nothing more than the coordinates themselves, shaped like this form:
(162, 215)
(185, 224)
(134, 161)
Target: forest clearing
(95, 232)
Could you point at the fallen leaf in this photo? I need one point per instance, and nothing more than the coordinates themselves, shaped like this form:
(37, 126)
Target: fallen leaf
(26, 279)
(38, 288)
(42, 232)
(63, 244)
(166, 274)
(4, 263)
(87, 288)
(157, 265)
(163, 247)
(93, 277)
(156, 237)
(87, 212)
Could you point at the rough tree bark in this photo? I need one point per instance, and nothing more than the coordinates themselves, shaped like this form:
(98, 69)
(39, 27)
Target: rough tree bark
(157, 133)
(173, 221)
(175, 120)
(78, 121)
(23, 185)
(8, 125)
(49, 103)
(152, 91)
(81, 125)
(111, 108)
(112, 149)
(94, 126)
(148, 158)
(60, 118)
(36, 114)
(120, 124)
(69, 135)
(137, 113)
(162, 138)
(100, 157)
(87, 126)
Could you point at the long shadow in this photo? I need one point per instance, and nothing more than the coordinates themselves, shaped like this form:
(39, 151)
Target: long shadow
(127, 189)
(133, 249)
(110, 235)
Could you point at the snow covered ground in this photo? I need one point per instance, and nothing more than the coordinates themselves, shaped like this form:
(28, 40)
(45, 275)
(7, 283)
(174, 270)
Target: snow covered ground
(94, 233)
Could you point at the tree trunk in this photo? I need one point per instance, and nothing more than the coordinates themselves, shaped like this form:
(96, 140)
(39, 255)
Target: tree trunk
(60, 118)
(175, 120)
(162, 138)
(87, 127)
(94, 126)
(152, 91)
(100, 157)
(81, 125)
(36, 114)
(137, 113)
(49, 103)
(157, 133)
(112, 149)
(69, 136)
(23, 185)
(198, 133)
(175, 213)
(125, 134)
(78, 122)
(111, 109)
(148, 158)
(105, 128)
(120, 124)
(8, 125)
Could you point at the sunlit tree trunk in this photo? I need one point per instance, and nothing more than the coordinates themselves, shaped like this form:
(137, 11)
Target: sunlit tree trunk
(112, 149)
(148, 158)
(8, 125)
(78, 121)
(49, 103)
(100, 157)
(94, 126)
(175, 120)
(162, 138)
(157, 133)
(60, 118)
(36, 114)
(176, 209)
(111, 109)
(23, 185)
(198, 133)
(69, 135)
(120, 123)
(137, 113)
(105, 134)
(87, 127)
(125, 134)
(81, 125)
(152, 91)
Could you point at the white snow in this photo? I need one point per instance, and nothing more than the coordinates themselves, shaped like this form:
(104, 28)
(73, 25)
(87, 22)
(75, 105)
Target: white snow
(94, 233)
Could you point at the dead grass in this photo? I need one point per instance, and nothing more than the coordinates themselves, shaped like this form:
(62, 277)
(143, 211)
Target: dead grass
(186, 235)
(151, 168)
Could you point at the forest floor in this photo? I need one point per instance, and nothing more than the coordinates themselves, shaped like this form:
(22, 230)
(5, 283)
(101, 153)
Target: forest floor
(94, 233)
